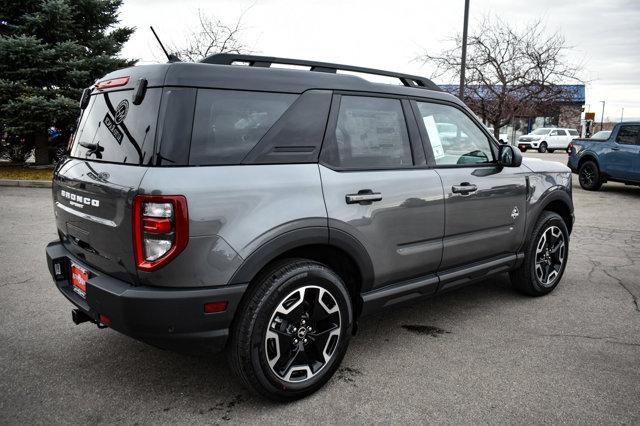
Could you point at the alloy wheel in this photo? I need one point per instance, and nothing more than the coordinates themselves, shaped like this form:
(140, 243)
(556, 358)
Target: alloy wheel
(587, 175)
(550, 255)
(303, 334)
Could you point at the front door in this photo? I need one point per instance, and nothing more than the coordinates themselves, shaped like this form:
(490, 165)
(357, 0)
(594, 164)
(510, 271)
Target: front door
(484, 203)
(377, 187)
(622, 159)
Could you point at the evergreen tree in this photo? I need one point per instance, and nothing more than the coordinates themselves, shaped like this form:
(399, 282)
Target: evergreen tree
(50, 50)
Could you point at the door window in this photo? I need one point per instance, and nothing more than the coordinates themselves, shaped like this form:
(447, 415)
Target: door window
(370, 133)
(228, 124)
(628, 135)
(561, 133)
(455, 139)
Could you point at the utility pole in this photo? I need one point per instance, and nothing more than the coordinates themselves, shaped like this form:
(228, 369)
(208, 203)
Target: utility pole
(463, 62)
(622, 114)
(602, 116)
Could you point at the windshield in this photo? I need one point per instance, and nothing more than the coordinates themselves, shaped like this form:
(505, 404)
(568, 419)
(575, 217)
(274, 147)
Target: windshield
(603, 134)
(540, 132)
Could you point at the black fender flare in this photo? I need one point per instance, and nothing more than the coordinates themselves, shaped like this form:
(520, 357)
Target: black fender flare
(300, 237)
(542, 204)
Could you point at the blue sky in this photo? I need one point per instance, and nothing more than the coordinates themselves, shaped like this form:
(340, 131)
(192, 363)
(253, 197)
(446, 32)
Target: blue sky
(388, 34)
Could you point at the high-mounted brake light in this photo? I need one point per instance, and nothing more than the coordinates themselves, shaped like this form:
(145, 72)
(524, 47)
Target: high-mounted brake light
(160, 229)
(114, 82)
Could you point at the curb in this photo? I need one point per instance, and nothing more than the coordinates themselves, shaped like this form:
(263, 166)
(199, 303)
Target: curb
(26, 183)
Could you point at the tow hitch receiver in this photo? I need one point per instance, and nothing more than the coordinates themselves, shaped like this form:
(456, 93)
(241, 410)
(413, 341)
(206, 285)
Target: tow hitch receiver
(79, 317)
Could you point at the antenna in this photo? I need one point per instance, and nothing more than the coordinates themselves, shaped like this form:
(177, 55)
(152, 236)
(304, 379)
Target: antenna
(170, 57)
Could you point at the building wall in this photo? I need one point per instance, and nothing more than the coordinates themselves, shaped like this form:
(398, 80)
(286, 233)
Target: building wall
(570, 116)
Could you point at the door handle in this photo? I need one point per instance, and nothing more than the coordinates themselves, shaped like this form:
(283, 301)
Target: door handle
(615, 148)
(364, 196)
(464, 188)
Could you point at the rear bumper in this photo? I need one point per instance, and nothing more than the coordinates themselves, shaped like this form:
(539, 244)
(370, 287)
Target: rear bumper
(170, 318)
(572, 163)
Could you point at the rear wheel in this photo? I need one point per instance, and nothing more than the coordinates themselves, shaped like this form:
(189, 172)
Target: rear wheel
(542, 148)
(292, 331)
(589, 176)
(545, 258)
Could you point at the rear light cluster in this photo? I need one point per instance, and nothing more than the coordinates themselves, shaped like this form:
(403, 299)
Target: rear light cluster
(160, 229)
(569, 148)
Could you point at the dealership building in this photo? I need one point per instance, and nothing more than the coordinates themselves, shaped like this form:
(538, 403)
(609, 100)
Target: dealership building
(567, 113)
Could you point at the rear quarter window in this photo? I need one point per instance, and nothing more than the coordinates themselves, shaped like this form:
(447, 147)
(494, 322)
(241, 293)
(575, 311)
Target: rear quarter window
(113, 129)
(229, 123)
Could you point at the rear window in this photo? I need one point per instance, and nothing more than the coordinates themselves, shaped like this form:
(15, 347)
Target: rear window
(228, 123)
(573, 132)
(113, 129)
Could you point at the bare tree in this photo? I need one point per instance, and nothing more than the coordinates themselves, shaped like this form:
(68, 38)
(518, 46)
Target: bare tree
(509, 72)
(213, 36)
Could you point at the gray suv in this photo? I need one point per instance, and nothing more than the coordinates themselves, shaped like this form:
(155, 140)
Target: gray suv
(236, 205)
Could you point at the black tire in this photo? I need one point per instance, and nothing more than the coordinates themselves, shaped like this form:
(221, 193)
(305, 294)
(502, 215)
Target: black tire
(527, 278)
(542, 148)
(589, 176)
(253, 345)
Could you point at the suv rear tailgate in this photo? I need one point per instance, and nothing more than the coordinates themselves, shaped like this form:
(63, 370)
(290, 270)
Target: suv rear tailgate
(93, 208)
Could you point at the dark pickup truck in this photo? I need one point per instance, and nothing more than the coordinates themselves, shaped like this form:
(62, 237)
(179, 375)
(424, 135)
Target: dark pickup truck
(615, 159)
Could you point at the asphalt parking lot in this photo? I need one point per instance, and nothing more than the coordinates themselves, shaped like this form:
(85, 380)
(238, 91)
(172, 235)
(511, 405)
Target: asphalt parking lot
(483, 354)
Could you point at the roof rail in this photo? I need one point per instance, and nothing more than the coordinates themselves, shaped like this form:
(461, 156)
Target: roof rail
(267, 61)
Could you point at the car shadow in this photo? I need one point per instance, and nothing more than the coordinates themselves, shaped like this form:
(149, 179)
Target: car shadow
(211, 388)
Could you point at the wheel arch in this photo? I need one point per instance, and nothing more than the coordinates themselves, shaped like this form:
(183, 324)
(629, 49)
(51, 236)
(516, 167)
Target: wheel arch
(338, 250)
(588, 156)
(557, 201)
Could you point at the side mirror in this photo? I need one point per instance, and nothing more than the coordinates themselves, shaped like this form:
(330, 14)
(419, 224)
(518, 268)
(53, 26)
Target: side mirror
(509, 156)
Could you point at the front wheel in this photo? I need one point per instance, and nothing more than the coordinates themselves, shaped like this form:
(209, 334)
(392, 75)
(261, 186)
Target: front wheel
(589, 176)
(542, 148)
(545, 257)
(292, 331)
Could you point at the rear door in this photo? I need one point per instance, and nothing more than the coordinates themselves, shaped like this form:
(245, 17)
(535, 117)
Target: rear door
(93, 189)
(377, 187)
(484, 203)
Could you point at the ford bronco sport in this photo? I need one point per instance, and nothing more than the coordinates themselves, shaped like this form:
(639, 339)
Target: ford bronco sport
(234, 205)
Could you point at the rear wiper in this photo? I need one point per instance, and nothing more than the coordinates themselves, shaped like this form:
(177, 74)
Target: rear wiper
(93, 149)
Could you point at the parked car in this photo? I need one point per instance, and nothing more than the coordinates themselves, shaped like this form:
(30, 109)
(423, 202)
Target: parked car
(547, 139)
(503, 137)
(264, 211)
(616, 158)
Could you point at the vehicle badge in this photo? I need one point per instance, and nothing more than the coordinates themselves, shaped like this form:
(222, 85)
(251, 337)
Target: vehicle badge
(515, 213)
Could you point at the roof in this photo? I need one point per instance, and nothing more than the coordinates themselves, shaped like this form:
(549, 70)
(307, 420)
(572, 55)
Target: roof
(240, 77)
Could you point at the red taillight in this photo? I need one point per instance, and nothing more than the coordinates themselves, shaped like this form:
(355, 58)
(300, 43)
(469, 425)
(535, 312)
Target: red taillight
(160, 229)
(212, 308)
(114, 82)
(569, 148)
(153, 225)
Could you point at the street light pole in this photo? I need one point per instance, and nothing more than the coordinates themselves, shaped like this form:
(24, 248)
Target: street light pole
(622, 114)
(463, 62)
(602, 116)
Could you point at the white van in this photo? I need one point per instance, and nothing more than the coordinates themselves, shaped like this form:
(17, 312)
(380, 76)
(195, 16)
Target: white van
(547, 139)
